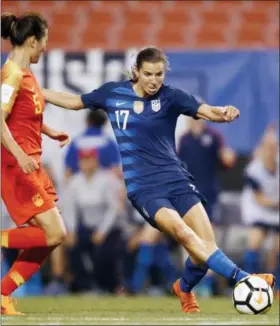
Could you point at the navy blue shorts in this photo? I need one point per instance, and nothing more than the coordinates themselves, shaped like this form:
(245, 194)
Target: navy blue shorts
(148, 203)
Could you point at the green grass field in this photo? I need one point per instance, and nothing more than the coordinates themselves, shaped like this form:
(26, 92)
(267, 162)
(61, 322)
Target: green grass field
(93, 310)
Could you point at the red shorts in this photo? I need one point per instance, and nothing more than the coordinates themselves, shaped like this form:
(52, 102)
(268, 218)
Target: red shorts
(26, 195)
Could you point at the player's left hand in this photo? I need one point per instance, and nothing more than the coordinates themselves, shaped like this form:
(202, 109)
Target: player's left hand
(62, 137)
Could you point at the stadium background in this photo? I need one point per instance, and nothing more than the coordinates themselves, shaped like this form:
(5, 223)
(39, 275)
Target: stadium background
(224, 51)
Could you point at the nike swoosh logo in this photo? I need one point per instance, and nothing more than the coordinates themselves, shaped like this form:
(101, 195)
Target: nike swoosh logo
(259, 300)
(120, 103)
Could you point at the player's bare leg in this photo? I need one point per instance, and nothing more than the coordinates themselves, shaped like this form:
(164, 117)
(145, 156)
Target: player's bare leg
(30, 260)
(53, 226)
(202, 249)
(45, 230)
(198, 221)
(170, 222)
(188, 300)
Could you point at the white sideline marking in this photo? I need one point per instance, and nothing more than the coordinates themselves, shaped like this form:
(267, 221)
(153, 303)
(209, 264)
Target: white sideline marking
(52, 320)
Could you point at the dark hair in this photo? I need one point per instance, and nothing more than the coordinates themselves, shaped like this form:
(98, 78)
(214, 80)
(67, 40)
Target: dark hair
(96, 118)
(18, 29)
(149, 54)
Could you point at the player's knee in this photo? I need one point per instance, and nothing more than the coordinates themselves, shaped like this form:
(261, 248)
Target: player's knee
(57, 237)
(184, 235)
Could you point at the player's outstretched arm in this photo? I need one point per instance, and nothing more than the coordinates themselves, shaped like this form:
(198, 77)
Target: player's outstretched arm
(64, 100)
(61, 136)
(217, 113)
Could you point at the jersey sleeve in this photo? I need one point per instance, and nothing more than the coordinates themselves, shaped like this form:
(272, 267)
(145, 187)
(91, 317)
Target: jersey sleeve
(11, 83)
(97, 98)
(186, 103)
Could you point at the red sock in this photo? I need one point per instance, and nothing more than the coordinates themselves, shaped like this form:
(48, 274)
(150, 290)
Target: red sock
(27, 264)
(23, 238)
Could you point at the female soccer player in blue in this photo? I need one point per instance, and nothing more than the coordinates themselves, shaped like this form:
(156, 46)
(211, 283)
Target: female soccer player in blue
(143, 113)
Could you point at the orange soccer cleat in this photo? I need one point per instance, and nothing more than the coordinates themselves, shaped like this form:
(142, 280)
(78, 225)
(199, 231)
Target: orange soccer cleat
(188, 300)
(269, 278)
(7, 307)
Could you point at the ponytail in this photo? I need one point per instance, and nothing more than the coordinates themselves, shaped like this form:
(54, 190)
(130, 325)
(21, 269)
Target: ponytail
(8, 22)
(19, 29)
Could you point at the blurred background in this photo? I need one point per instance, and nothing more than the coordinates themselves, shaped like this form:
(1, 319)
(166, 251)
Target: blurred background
(226, 52)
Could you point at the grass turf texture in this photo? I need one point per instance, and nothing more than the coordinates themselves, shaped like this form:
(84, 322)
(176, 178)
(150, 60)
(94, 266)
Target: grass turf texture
(93, 310)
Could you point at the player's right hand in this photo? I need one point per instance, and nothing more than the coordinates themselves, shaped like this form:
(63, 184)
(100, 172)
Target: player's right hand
(226, 113)
(27, 163)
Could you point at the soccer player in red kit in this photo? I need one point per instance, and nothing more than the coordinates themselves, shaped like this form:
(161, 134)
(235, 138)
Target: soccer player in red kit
(27, 191)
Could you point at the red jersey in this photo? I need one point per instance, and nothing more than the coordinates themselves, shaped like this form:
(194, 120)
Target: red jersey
(23, 99)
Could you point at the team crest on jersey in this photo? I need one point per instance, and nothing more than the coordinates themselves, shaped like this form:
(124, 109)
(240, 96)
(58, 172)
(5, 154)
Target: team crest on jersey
(138, 107)
(156, 105)
(38, 200)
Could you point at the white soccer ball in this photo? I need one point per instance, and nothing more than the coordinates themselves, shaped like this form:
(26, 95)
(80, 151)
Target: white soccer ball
(252, 296)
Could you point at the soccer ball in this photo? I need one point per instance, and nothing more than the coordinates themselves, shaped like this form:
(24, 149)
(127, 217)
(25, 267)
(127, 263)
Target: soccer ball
(252, 295)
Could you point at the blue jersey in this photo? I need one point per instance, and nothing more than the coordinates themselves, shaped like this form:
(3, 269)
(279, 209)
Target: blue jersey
(108, 153)
(145, 132)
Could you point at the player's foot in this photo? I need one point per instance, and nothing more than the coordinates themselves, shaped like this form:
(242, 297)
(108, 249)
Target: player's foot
(269, 278)
(7, 307)
(188, 300)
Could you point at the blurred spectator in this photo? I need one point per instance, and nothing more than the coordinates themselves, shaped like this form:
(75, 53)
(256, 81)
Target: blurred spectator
(152, 251)
(92, 208)
(203, 151)
(145, 248)
(260, 201)
(132, 225)
(93, 138)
